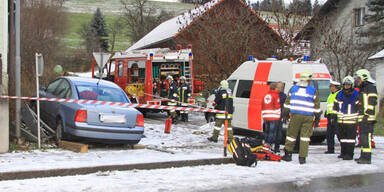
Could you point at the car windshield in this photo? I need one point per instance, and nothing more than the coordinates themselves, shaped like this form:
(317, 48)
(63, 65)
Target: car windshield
(101, 93)
(323, 87)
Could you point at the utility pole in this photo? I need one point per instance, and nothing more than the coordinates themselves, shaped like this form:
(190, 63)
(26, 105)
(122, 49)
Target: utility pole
(11, 57)
(17, 71)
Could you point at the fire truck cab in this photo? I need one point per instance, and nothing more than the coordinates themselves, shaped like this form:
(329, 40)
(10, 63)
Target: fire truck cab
(249, 83)
(142, 73)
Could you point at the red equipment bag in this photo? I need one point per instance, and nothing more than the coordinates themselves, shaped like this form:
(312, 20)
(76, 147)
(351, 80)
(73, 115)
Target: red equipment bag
(265, 153)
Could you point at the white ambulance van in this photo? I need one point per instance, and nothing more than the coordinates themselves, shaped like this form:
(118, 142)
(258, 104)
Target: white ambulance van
(249, 84)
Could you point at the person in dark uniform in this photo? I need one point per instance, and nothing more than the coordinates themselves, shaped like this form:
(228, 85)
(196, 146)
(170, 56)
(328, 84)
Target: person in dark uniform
(223, 102)
(331, 115)
(184, 93)
(367, 113)
(173, 97)
(346, 109)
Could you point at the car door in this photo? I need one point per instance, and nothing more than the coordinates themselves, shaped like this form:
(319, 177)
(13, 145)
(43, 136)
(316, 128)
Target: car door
(62, 90)
(45, 105)
(241, 103)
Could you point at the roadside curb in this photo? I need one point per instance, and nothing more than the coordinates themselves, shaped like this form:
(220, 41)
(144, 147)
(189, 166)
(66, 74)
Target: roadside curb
(125, 167)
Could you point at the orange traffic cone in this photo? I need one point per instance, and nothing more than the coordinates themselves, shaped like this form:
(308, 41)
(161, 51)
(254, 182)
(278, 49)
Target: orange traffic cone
(168, 123)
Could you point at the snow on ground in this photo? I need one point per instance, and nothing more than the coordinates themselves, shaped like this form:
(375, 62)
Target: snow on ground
(181, 144)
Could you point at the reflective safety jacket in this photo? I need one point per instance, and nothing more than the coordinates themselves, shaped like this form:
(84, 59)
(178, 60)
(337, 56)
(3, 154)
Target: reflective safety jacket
(172, 93)
(271, 106)
(346, 107)
(184, 93)
(368, 100)
(303, 100)
(330, 102)
(224, 101)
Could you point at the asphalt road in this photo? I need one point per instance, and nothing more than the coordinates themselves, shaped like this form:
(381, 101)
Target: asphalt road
(353, 183)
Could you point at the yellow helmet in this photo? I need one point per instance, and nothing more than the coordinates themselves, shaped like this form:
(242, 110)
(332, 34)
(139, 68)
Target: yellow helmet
(348, 80)
(363, 74)
(224, 84)
(306, 75)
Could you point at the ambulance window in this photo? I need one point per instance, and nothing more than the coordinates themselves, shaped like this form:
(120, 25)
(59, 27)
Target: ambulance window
(323, 88)
(244, 89)
(231, 84)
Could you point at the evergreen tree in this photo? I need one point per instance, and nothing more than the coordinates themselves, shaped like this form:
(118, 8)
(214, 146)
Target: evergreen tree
(271, 5)
(316, 7)
(301, 7)
(97, 33)
(375, 22)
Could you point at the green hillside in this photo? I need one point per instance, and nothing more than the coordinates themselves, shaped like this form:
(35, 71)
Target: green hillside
(81, 11)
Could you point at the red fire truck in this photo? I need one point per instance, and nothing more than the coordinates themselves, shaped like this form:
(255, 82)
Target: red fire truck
(142, 73)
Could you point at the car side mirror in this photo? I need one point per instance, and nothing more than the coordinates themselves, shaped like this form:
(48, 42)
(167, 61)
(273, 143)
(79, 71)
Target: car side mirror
(42, 88)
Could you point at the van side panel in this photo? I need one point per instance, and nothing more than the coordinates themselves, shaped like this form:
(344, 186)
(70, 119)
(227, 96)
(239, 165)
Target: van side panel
(259, 90)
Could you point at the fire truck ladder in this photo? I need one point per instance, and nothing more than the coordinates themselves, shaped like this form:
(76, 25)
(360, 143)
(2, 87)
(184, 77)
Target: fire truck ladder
(188, 72)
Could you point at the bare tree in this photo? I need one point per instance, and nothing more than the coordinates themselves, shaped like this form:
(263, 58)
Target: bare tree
(115, 28)
(343, 52)
(224, 37)
(288, 24)
(141, 18)
(43, 23)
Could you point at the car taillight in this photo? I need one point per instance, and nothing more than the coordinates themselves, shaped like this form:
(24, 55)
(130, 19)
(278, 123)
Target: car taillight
(140, 120)
(81, 116)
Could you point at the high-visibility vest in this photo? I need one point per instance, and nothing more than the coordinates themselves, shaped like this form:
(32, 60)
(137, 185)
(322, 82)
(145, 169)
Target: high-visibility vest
(347, 109)
(302, 100)
(330, 102)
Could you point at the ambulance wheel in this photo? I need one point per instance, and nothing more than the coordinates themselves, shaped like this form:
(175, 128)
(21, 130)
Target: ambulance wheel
(317, 139)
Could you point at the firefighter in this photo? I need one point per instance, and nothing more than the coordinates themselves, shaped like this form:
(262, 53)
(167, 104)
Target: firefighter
(271, 114)
(173, 97)
(303, 103)
(223, 102)
(346, 108)
(331, 117)
(184, 92)
(367, 113)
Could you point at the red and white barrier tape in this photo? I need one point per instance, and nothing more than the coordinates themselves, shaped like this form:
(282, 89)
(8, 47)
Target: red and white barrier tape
(118, 104)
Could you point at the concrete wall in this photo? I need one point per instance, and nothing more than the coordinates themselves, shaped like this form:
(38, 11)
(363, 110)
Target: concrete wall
(4, 109)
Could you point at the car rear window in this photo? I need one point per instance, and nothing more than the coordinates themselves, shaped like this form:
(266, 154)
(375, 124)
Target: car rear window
(101, 93)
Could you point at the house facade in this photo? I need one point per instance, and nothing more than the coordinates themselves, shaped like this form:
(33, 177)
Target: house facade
(4, 117)
(335, 35)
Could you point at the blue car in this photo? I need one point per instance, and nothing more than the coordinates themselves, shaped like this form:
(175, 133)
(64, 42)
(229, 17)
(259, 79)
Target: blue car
(90, 122)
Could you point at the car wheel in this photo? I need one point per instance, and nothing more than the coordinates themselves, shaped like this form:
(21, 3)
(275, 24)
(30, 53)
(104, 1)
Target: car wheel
(59, 131)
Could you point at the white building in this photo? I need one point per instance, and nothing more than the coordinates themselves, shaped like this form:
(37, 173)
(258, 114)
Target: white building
(4, 117)
(378, 60)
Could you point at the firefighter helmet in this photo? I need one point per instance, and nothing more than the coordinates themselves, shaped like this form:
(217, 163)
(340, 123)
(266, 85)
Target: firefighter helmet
(170, 78)
(363, 74)
(224, 84)
(332, 82)
(183, 78)
(348, 80)
(306, 75)
(58, 69)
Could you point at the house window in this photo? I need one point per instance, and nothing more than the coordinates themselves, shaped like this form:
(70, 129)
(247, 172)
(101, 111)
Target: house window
(358, 17)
